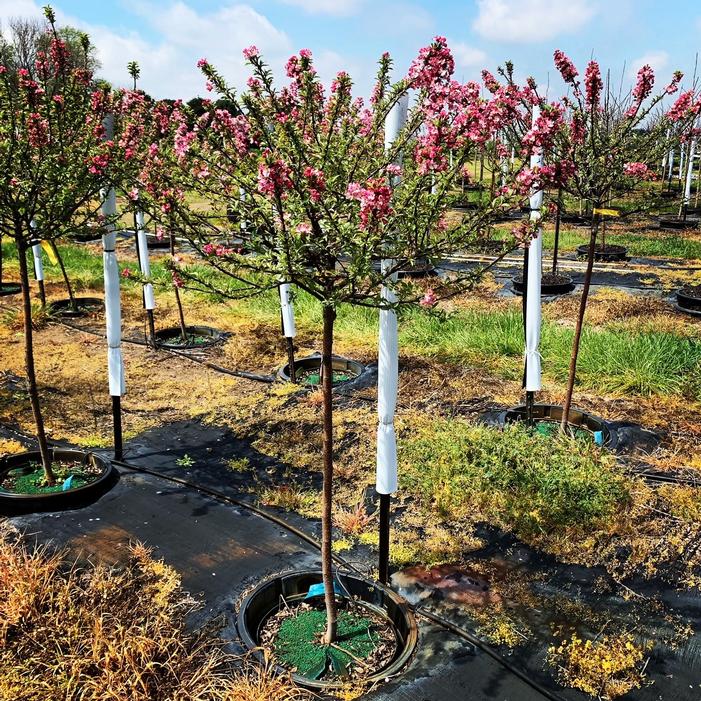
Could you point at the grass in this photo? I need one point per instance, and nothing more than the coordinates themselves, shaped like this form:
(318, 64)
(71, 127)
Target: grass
(94, 632)
(516, 477)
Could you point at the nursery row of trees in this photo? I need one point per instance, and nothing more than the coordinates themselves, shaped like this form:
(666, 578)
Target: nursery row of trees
(329, 193)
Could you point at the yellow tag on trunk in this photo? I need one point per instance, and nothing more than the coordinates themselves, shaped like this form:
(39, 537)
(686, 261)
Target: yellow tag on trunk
(50, 253)
(607, 212)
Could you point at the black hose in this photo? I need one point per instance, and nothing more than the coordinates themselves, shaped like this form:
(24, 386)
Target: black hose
(420, 610)
(180, 354)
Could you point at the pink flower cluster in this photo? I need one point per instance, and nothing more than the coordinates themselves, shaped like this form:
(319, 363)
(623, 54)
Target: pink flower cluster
(374, 201)
(542, 134)
(433, 65)
(639, 171)
(274, 176)
(37, 130)
(683, 106)
(183, 141)
(237, 128)
(567, 69)
(251, 52)
(429, 299)
(209, 249)
(593, 84)
(315, 182)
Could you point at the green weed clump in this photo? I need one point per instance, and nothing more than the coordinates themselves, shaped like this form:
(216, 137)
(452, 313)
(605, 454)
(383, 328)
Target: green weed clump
(517, 478)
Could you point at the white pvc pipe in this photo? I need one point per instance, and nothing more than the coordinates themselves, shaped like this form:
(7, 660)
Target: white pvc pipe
(113, 307)
(36, 253)
(533, 286)
(689, 172)
(289, 328)
(388, 346)
(144, 262)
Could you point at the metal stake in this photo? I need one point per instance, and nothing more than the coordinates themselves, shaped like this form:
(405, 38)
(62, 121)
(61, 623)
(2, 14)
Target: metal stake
(117, 421)
(384, 539)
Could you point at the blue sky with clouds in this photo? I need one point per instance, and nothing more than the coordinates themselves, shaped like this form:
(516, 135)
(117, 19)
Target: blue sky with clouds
(167, 37)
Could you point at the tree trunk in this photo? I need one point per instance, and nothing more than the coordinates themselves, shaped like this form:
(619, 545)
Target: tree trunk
(327, 494)
(29, 364)
(580, 323)
(69, 287)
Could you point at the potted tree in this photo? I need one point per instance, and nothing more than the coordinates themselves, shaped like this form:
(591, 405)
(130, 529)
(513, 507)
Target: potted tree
(326, 197)
(56, 163)
(611, 143)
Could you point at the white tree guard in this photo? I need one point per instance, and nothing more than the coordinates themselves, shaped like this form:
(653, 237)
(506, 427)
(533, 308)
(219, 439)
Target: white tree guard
(113, 308)
(36, 253)
(533, 287)
(671, 164)
(388, 347)
(289, 328)
(689, 172)
(144, 262)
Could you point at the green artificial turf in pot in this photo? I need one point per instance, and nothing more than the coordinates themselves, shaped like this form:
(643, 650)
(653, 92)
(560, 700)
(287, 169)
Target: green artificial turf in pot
(19, 481)
(298, 643)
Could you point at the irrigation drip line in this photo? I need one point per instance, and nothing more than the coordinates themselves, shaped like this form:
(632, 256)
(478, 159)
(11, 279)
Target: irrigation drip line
(178, 353)
(420, 610)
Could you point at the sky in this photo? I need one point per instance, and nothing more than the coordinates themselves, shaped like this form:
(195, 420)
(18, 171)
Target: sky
(167, 37)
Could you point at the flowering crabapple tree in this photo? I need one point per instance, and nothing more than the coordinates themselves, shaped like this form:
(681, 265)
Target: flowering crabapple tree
(54, 161)
(321, 197)
(613, 143)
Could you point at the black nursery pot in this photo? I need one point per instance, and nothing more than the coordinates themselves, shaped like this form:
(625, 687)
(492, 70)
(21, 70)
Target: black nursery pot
(10, 288)
(153, 242)
(550, 285)
(678, 224)
(265, 600)
(313, 363)
(609, 253)
(12, 504)
(553, 413)
(689, 299)
(171, 338)
(84, 306)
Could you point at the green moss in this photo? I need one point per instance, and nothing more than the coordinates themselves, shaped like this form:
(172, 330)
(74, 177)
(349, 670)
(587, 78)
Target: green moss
(298, 640)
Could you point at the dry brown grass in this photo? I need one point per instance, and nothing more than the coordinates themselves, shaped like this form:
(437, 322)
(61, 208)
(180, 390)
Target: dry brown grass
(97, 633)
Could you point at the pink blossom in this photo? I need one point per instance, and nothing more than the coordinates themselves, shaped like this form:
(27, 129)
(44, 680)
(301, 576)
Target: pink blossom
(433, 65)
(304, 228)
(126, 272)
(638, 170)
(429, 299)
(203, 63)
(3, 70)
(37, 130)
(374, 201)
(133, 195)
(251, 52)
(305, 53)
(644, 83)
(567, 69)
(177, 280)
(316, 182)
(208, 86)
(208, 249)
(274, 176)
(682, 106)
(394, 169)
(593, 83)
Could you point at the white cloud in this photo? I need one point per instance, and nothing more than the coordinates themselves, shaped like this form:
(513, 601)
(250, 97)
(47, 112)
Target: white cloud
(339, 8)
(658, 60)
(467, 56)
(526, 21)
